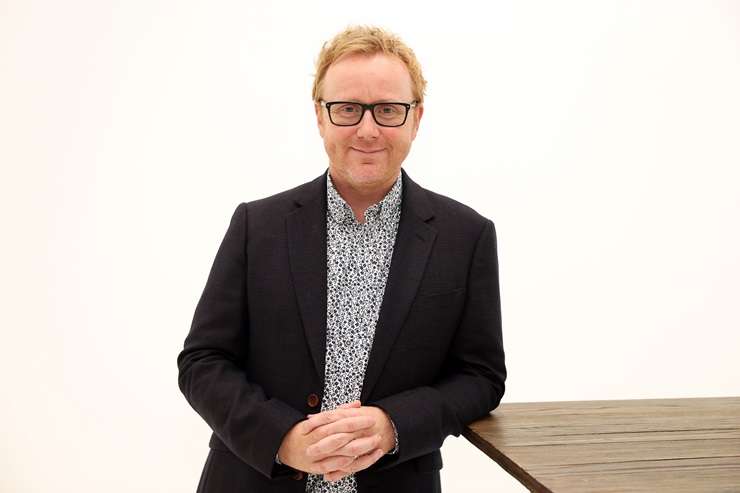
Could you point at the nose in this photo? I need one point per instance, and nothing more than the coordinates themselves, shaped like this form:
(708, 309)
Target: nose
(367, 128)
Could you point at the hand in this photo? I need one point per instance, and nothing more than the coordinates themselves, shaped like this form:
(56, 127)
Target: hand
(366, 446)
(293, 449)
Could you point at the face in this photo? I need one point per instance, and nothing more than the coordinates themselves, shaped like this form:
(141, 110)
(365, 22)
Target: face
(367, 157)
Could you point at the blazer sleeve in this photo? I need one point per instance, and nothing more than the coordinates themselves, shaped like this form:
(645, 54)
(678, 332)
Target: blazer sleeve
(211, 374)
(472, 381)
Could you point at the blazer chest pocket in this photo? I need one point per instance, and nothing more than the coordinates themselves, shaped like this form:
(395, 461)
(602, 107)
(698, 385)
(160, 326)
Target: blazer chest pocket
(426, 295)
(433, 319)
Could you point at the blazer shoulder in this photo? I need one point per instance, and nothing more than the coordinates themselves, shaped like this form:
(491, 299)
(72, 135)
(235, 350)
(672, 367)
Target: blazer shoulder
(282, 203)
(453, 213)
(286, 198)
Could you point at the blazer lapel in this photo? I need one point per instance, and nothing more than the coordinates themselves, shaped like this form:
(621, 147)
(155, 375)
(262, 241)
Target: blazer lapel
(306, 228)
(413, 245)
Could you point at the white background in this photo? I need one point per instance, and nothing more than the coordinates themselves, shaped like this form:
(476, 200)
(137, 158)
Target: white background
(602, 137)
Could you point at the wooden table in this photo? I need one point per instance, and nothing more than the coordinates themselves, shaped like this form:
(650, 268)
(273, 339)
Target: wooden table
(676, 445)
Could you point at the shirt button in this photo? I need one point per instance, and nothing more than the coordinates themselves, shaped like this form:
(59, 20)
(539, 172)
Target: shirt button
(312, 400)
(298, 475)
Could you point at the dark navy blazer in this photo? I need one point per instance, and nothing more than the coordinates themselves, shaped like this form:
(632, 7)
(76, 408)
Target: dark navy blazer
(253, 362)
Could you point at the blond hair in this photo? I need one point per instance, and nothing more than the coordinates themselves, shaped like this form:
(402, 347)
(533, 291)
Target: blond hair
(368, 40)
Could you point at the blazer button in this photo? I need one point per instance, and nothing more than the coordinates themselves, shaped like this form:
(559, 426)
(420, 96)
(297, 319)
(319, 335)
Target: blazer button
(313, 400)
(298, 475)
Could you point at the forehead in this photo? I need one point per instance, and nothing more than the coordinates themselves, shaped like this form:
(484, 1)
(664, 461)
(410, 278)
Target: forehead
(367, 78)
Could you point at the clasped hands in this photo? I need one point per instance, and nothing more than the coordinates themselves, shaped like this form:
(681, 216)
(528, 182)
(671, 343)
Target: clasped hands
(340, 442)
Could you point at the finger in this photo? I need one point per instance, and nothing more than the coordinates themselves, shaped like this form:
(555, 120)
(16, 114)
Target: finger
(357, 465)
(314, 421)
(333, 463)
(335, 476)
(319, 419)
(359, 446)
(350, 405)
(346, 425)
(348, 409)
(328, 445)
(364, 461)
(326, 417)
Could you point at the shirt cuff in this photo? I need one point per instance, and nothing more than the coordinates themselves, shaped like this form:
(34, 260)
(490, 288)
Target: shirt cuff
(395, 437)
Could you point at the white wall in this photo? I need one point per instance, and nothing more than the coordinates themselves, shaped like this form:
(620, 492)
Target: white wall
(601, 137)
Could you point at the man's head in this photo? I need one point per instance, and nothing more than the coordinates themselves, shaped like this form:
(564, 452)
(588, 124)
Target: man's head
(367, 65)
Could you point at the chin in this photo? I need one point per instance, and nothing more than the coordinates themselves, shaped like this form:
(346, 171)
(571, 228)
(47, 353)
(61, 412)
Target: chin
(369, 175)
(364, 174)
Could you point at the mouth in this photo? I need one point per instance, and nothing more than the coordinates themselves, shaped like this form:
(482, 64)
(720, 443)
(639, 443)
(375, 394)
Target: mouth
(367, 151)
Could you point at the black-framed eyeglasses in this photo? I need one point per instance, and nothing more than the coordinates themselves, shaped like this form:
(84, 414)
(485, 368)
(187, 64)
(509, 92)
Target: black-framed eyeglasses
(349, 113)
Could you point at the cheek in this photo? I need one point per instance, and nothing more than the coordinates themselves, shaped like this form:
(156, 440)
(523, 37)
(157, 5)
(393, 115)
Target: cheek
(338, 140)
(400, 143)
(335, 133)
(334, 145)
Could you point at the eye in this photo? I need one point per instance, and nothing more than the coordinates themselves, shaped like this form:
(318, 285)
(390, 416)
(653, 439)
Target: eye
(387, 109)
(347, 108)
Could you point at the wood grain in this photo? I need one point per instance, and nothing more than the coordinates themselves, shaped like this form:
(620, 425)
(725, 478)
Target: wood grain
(655, 445)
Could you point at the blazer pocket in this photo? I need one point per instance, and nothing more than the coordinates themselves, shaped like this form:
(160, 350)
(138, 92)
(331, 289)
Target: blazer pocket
(432, 320)
(439, 301)
(437, 294)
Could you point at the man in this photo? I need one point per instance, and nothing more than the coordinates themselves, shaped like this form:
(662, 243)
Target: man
(352, 323)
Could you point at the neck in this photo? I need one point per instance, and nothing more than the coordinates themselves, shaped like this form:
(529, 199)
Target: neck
(359, 199)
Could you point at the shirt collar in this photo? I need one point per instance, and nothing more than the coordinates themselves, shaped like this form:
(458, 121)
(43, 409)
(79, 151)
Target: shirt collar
(386, 209)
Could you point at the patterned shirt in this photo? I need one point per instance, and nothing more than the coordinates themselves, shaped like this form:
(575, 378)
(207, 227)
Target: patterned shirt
(358, 259)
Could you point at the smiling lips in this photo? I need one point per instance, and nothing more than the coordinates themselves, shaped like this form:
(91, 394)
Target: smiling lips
(369, 151)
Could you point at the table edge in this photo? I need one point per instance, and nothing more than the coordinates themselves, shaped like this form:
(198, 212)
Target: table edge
(505, 462)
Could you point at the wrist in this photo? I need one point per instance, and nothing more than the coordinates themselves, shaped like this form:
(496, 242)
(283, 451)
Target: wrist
(390, 435)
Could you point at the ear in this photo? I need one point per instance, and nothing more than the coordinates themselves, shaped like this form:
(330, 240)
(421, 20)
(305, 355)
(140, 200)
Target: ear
(320, 117)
